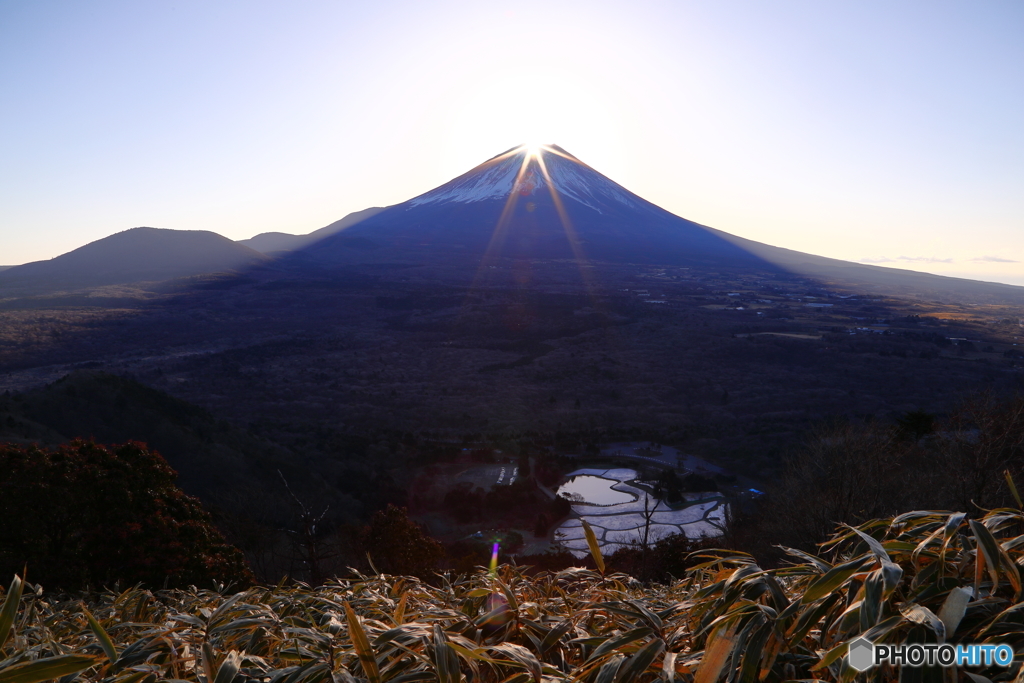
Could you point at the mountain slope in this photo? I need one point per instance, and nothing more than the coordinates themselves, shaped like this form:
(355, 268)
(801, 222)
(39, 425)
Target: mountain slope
(269, 242)
(214, 459)
(139, 254)
(547, 204)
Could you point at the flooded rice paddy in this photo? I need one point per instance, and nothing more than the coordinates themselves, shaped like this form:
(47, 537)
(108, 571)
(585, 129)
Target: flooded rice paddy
(621, 523)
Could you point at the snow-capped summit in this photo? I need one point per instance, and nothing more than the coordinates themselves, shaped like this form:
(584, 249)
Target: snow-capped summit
(525, 172)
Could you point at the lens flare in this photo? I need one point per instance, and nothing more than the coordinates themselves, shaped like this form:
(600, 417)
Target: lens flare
(533, 149)
(494, 559)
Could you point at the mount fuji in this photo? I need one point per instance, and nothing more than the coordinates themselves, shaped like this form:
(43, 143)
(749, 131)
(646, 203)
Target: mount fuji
(524, 203)
(543, 203)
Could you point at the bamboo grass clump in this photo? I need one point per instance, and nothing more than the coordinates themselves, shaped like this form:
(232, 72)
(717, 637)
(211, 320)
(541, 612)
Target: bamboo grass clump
(924, 576)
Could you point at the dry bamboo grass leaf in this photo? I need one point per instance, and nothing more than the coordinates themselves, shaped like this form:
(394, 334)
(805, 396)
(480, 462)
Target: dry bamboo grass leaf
(668, 667)
(12, 601)
(727, 619)
(594, 546)
(101, 635)
(46, 669)
(954, 608)
(361, 645)
(717, 654)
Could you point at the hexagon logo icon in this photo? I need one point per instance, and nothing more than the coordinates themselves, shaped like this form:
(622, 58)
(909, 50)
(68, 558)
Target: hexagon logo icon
(862, 654)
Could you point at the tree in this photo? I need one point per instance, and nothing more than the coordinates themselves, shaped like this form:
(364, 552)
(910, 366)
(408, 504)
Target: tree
(669, 487)
(84, 514)
(848, 474)
(307, 537)
(916, 424)
(983, 438)
(397, 545)
(540, 529)
(666, 560)
(524, 466)
(844, 474)
(645, 538)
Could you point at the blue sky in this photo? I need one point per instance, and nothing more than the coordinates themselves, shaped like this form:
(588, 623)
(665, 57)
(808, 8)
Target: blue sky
(887, 132)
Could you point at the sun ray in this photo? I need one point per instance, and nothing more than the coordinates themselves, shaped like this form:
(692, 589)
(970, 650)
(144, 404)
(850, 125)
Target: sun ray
(501, 227)
(563, 216)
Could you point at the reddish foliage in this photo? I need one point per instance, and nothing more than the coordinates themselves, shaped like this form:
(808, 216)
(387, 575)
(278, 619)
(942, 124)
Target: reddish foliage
(85, 514)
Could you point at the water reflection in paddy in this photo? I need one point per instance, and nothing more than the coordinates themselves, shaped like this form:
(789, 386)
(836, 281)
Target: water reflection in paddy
(594, 490)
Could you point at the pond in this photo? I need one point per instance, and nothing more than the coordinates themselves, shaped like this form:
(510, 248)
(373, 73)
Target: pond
(594, 490)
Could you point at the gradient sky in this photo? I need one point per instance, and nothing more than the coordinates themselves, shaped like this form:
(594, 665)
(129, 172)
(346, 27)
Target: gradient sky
(890, 132)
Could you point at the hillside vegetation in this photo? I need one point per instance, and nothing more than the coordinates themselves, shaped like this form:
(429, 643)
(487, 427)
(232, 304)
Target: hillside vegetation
(215, 460)
(84, 514)
(921, 577)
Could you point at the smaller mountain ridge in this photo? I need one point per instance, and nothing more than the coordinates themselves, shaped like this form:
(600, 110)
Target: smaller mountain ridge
(135, 255)
(276, 242)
